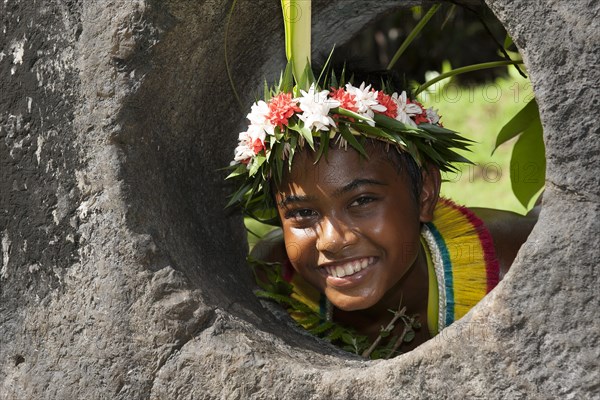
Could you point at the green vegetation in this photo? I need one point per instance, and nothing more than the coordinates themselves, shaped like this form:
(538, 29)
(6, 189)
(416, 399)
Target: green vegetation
(479, 113)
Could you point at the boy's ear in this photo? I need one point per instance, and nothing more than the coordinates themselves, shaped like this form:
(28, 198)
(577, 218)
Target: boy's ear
(430, 191)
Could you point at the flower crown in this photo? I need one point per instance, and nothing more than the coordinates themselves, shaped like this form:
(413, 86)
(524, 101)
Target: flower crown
(290, 118)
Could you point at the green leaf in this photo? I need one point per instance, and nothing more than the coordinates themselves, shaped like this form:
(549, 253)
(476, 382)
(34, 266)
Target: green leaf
(393, 124)
(307, 134)
(436, 129)
(413, 34)
(322, 328)
(462, 70)
(334, 81)
(287, 81)
(238, 195)
(278, 134)
(297, 21)
(343, 76)
(335, 334)
(528, 164)
(374, 131)
(347, 338)
(325, 67)
(384, 333)
(269, 153)
(449, 16)
(507, 41)
(311, 319)
(256, 185)
(267, 91)
(519, 123)
(258, 161)
(413, 150)
(240, 170)
(323, 146)
(279, 162)
(349, 137)
(306, 79)
(282, 299)
(350, 114)
(409, 336)
(294, 125)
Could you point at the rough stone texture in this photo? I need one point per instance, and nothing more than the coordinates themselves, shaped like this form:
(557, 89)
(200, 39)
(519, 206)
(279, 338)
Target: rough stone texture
(121, 276)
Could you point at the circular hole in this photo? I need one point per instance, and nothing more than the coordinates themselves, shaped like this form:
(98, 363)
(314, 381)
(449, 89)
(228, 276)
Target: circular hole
(478, 105)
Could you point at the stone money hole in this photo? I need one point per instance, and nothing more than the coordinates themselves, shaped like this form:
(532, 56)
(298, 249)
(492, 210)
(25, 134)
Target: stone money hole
(182, 320)
(173, 158)
(371, 49)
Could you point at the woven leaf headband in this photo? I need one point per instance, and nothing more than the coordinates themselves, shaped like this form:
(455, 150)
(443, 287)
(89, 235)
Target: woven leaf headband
(290, 118)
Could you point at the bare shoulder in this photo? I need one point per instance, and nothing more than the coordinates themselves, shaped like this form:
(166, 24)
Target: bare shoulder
(509, 231)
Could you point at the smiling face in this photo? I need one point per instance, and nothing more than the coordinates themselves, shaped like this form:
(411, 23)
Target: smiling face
(351, 226)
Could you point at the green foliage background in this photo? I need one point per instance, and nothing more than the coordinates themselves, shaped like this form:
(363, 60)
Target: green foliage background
(479, 112)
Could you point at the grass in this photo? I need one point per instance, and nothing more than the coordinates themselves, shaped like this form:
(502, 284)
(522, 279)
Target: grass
(479, 113)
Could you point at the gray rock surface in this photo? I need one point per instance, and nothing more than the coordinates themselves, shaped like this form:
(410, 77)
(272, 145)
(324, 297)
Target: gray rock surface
(121, 277)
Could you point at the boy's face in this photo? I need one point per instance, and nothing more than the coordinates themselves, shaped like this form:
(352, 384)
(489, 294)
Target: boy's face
(351, 226)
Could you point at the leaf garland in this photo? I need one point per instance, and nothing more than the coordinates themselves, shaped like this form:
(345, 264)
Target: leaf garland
(425, 142)
(274, 288)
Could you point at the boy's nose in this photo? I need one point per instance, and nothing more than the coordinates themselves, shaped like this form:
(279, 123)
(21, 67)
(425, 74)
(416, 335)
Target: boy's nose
(333, 236)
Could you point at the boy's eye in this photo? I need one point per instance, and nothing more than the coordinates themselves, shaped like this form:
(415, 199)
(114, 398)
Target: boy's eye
(362, 201)
(301, 213)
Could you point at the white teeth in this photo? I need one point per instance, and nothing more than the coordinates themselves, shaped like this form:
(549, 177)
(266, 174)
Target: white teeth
(332, 271)
(350, 268)
(360, 265)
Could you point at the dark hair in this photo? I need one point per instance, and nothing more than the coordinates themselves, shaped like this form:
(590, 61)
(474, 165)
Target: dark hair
(404, 161)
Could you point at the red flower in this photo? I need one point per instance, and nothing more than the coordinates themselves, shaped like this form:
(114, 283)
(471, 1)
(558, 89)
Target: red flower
(257, 145)
(389, 103)
(346, 99)
(281, 109)
(419, 118)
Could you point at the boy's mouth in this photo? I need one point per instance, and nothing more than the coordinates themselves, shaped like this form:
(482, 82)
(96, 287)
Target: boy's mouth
(340, 270)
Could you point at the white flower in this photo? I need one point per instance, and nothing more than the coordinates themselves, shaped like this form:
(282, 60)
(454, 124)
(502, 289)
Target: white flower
(366, 101)
(256, 132)
(243, 153)
(315, 108)
(405, 109)
(258, 117)
(243, 137)
(432, 115)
